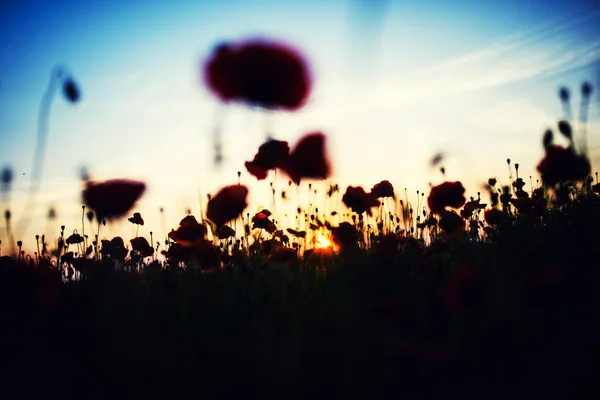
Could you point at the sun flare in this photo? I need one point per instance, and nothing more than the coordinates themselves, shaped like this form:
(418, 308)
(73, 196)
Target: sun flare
(322, 241)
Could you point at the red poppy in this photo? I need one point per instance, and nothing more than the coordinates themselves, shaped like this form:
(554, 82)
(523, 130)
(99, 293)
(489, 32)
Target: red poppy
(562, 164)
(447, 194)
(227, 204)
(272, 154)
(383, 189)
(308, 159)
(207, 256)
(359, 201)
(136, 219)
(262, 221)
(494, 216)
(189, 231)
(262, 73)
(113, 198)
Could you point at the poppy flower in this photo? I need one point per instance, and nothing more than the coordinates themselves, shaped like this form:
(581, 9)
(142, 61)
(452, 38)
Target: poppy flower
(386, 249)
(136, 219)
(308, 159)
(227, 204)
(383, 189)
(114, 248)
(494, 216)
(258, 72)
(345, 235)
(225, 232)
(562, 164)
(207, 256)
(140, 244)
(74, 239)
(189, 231)
(113, 198)
(447, 194)
(272, 154)
(262, 221)
(356, 199)
(451, 222)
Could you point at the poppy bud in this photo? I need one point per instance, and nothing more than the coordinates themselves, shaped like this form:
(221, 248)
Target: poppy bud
(71, 91)
(586, 89)
(565, 128)
(563, 93)
(548, 138)
(6, 177)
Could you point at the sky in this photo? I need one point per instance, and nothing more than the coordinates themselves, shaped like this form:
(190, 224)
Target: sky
(395, 82)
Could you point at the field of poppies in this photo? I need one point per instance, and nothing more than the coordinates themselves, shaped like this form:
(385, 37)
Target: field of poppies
(488, 295)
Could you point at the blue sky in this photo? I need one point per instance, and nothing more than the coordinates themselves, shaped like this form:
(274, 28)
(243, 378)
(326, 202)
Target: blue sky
(395, 83)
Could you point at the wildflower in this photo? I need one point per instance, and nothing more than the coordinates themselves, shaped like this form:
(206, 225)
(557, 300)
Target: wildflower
(492, 181)
(345, 235)
(113, 198)
(136, 219)
(189, 231)
(562, 164)
(452, 223)
(262, 221)
(308, 159)
(262, 73)
(75, 239)
(227, 204)
(447, 194)
(141, 245)
(494, 216)
(272, 154)
(383, 189)
(225, 232)
(359, 201)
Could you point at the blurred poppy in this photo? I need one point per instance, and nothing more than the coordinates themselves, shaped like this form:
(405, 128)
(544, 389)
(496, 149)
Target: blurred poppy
(494, 216)
(272, 154)
(113, 198)
(451, 222)
(225, 232)
(136, 219)
(308, 159)
(227, 204)
(345, 235)
(386, 248)
(447, 194)
(356, 199)
(189, 231)
(207, 256)
(258, 72)
(562, 164)
(383, 189)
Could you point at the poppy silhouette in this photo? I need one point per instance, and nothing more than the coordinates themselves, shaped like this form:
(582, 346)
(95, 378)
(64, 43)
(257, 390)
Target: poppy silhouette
(258, 72)
(227, 204)
(113, 198)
